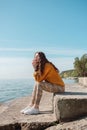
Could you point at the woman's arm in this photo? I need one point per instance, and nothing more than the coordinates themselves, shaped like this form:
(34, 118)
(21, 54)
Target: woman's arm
(35, 64)
(40, 77)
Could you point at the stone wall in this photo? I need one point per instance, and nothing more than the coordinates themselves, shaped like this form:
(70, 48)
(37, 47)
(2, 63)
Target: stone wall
(83, 81)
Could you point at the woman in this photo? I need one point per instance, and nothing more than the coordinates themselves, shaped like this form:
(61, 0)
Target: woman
(47, 78)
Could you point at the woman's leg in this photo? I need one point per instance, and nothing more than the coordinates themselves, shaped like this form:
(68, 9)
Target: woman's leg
(33, 95)
(36, 97)
(53, 88)
(32, 100)
(47, 87)
(39, 91)
(37, 94)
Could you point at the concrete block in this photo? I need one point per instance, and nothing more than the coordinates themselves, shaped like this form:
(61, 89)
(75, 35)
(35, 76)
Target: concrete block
(83, 81)
(70, 105)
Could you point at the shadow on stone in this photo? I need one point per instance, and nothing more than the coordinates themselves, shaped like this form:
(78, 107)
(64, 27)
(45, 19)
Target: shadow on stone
(46, 112)
(71, 93)
(27, 126)
(15, 126)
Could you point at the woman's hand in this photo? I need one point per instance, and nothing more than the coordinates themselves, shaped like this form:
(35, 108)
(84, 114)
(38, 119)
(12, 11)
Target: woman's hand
(35, 64)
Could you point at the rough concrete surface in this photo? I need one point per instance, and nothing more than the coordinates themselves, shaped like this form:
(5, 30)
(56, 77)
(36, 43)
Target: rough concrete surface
(71, 104)
(73, 91)
(12, 119)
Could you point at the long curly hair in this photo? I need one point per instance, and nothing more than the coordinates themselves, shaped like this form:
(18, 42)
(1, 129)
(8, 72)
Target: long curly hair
(43, 60)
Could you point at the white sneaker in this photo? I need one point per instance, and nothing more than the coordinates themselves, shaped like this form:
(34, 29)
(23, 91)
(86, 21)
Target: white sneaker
(32, 111)
(26, 108)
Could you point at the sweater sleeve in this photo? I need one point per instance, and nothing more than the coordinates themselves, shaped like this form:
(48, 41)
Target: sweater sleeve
(42, 77)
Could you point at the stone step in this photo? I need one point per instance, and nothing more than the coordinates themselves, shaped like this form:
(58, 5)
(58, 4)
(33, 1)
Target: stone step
(72, 104)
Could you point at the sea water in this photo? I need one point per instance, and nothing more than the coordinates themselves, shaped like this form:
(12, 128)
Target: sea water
(14, 88)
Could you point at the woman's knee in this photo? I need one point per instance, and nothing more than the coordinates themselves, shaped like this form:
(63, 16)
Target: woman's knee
(62, 89)
(38, 83)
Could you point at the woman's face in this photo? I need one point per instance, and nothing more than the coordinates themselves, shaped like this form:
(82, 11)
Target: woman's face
(36, 57)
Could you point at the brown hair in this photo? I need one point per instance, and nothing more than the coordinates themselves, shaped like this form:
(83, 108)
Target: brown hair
(43, 61)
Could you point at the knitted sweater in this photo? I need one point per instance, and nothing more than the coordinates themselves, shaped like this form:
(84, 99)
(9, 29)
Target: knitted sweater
(49, 75)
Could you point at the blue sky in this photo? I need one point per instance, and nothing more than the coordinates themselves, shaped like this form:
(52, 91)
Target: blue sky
(56, 27)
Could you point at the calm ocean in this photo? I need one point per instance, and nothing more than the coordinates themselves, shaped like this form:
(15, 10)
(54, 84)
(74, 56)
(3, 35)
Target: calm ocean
(12, 89)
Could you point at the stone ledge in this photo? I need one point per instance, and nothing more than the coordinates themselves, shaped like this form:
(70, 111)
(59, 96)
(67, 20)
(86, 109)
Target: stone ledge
(83, 81)
(71, 104)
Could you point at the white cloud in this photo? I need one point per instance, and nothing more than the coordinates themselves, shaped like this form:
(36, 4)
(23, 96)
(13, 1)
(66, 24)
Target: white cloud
(49, 50)
(16, 49)
(66, 52)
(15, 68)
(64, 63)
(22, 67)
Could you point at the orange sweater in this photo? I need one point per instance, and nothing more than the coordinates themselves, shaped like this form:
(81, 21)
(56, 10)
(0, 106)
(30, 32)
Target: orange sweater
(49, 75)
